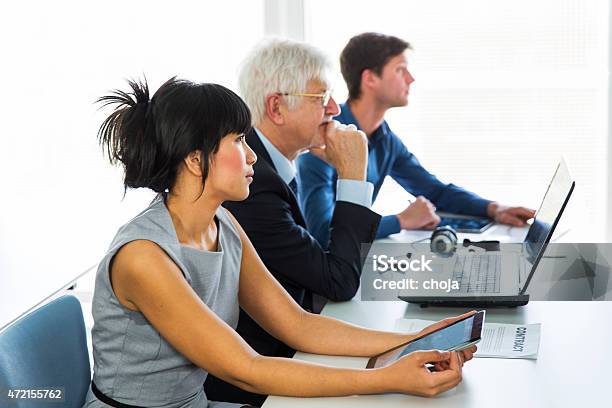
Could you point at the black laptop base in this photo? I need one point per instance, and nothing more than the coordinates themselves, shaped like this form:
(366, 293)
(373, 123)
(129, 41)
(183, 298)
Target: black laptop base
(469, 301)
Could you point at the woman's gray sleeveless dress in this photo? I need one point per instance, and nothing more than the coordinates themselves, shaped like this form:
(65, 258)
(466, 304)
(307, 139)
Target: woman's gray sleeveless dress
(133, 364)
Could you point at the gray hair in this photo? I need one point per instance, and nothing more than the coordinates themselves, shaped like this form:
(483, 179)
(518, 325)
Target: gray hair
(279, 65)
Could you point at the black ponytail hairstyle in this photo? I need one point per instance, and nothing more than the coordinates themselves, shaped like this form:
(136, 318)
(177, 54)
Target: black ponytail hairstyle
(152, 137)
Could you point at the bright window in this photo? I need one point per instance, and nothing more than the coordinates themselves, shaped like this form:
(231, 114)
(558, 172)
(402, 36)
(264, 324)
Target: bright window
(502, 90)
(61, 201)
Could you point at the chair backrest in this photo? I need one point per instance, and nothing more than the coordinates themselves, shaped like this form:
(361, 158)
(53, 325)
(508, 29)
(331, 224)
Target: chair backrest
(46, 349)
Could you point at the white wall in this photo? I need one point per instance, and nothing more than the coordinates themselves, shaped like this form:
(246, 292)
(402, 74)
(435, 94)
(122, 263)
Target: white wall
(61, 201)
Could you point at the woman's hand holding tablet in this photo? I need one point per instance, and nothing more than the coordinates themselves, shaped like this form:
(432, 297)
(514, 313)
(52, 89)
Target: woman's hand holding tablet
(467, 353)
(454, 334)
(431, 362)
(412, 376)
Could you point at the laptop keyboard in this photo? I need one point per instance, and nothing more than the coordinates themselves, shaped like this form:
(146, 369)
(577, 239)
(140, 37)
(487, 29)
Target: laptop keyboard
(477, 273)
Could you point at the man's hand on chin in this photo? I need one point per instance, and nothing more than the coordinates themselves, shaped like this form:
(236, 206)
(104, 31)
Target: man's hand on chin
(515, 216)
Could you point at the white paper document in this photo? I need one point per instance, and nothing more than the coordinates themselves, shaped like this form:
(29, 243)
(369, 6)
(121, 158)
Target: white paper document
(498, 340)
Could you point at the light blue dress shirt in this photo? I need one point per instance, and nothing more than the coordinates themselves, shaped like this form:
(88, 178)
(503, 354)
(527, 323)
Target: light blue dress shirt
(353, 191)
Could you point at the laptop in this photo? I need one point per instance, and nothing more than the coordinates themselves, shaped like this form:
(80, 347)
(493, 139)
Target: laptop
(493, 278)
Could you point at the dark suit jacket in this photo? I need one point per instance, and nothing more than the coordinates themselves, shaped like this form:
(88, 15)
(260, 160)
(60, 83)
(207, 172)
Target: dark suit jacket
(275, 225)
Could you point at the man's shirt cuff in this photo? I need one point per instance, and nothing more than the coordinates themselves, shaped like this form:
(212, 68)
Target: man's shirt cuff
(355, 191)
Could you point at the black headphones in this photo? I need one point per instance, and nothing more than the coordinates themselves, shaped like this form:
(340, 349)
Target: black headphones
(444, 242)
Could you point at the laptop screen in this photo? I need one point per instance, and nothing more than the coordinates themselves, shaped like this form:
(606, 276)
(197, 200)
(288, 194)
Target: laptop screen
(548, 215)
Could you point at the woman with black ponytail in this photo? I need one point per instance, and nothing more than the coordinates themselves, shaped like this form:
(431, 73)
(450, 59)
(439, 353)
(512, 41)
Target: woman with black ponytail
(168, 291)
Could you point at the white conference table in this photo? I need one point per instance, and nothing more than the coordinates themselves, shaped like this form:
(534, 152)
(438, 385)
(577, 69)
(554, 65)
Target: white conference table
(572, 369)
(502, 233)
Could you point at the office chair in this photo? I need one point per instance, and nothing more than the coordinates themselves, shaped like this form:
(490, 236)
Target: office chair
(46, 349)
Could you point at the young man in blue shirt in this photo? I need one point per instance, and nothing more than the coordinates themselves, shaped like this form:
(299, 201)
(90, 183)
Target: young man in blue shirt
(375, 69)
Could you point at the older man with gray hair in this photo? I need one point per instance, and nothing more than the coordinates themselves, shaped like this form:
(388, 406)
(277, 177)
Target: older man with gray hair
(286, 86)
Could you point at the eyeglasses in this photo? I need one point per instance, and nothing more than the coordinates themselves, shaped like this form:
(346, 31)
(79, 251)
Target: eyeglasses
(325, 96)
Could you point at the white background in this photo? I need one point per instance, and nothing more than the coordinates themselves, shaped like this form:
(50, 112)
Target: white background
(62, 202)
(503, 89)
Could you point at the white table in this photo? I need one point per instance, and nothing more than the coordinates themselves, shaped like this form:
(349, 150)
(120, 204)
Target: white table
(499, 232)
(572, 370)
